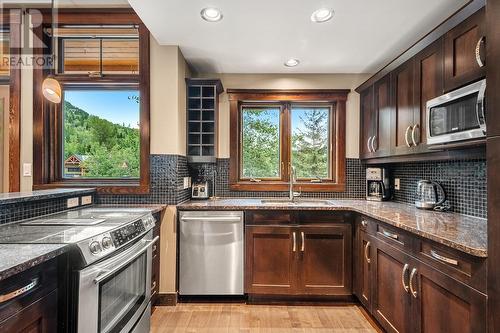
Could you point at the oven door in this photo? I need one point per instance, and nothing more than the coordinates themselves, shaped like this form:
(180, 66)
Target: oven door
(458, 115)
(113, 294)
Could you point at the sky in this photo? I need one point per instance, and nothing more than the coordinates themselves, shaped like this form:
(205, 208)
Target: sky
(114, 106)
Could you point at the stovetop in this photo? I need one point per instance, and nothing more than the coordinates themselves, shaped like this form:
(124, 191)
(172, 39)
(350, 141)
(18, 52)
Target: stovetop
(69, 227)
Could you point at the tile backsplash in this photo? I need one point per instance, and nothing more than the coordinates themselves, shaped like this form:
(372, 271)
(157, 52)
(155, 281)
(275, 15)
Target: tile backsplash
(463, 181)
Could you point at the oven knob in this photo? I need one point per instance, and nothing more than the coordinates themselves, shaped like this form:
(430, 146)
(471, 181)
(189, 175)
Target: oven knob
(106, 242)
(95, 247)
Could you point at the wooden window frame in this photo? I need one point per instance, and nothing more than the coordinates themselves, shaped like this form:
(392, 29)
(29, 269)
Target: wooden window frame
(47, 117)
(336, 97)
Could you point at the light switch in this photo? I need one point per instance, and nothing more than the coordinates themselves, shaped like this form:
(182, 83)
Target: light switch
(396, 184)
(187, 182)
(27, 169)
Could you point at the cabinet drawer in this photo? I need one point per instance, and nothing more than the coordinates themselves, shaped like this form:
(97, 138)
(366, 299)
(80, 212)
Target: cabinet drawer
(393, 236)
(268, 217)
(323, 217)
(461, 266)
(366, 224)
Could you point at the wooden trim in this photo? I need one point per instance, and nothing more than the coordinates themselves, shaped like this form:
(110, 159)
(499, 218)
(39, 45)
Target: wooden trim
(166, 299)
(335, 97)
(96, 16)
(452, 21)
(47, 119)
(15, 104)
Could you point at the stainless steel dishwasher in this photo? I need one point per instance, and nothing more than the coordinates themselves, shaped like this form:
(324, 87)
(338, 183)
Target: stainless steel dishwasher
(211, 253)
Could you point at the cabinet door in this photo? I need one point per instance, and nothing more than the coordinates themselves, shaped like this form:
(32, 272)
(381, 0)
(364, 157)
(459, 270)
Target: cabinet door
(381, 143)
(325, 260)
(368, 119)
(428, 85)
(403, 121)
(39, 317)
(364, 252)
(460, 64)
(271, 253)
(391, 302)
(442, 304)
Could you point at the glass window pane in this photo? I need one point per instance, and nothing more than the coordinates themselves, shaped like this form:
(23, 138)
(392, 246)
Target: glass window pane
(260, 142)
(81, 56)
(4, 54)
(120, 56)
(310, 142)
(101, 134)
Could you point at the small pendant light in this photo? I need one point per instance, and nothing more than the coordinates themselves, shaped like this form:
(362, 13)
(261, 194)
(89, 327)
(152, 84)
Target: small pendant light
(51, 88)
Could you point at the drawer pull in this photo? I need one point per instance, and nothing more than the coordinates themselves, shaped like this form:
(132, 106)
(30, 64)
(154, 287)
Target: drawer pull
(294, 236)
(367, 257)
(303, 246)
(403, 277)
(153, 285)
(439, 257)
(154, 248)
(19, 292)
(364, 223)
(390, 235)
(412, 276)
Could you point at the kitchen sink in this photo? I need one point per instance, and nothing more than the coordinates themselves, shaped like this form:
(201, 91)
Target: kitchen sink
(300, 202)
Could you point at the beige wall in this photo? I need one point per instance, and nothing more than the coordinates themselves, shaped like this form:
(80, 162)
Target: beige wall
(292, 81)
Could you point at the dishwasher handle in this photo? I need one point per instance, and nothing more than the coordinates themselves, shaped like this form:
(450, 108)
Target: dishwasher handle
(211, 219)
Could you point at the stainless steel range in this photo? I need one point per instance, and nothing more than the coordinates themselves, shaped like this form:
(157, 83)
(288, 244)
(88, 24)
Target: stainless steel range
(111, 263)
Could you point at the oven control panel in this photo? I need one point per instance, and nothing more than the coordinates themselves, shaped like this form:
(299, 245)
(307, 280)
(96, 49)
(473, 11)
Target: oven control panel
(127, 233)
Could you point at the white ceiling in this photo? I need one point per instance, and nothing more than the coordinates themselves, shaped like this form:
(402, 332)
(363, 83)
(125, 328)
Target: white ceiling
(257, 36)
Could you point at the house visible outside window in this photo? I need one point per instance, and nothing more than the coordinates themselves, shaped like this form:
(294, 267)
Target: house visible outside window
(275, 132)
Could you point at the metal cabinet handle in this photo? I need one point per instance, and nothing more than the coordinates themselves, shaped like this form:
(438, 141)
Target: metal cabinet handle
(303, 246)
(367, 257)
(437, 256)
(294, 236)
(153, 285)
(154, 248)
(389, 234)
(406, 136)
(364, 223)
(412, 276)
(403, 277)
(19, 292)
(415, 143)
(373, 144)
(368, 145)
(479, 61)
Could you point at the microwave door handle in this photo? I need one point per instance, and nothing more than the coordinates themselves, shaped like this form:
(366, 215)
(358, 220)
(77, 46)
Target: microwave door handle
(108, 273)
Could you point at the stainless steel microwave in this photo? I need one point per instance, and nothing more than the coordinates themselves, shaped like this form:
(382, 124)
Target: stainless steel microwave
(458, 115)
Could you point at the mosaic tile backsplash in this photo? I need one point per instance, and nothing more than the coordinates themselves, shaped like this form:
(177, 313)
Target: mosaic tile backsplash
(355, 178)
(463, 181)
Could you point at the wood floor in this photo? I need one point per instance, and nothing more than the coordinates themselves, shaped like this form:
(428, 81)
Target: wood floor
(215, 318)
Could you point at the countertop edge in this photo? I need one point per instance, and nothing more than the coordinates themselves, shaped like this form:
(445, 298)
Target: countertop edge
(23, 197)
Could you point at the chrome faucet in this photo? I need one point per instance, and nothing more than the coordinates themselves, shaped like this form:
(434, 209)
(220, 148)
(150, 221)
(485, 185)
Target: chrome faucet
(293, 179)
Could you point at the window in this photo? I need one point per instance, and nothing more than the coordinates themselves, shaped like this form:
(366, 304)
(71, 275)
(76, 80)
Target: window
(273, 131)
(98, 135)
(4, 53)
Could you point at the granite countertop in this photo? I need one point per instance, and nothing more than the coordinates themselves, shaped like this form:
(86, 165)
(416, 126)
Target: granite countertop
(464, 233)
(17, 258)
(15, 197)
(155, 208)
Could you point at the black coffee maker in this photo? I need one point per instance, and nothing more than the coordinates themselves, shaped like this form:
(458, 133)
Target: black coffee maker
(378, 186)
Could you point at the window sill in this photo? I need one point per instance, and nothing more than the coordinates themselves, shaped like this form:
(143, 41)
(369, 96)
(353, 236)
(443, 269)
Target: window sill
(268, 186)
(108, 188)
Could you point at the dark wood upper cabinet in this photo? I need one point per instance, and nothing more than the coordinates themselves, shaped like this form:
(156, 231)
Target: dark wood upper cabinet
(461, 44)
(381, 142)
(429, 84)
(321, 274)
(391, 301)
(406, 119)
(368, 124)
(271, 259)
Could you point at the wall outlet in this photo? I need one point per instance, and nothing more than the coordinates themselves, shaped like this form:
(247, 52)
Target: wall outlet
(187, 182)
(72, 202)
(27, 169)
(86, 200)
(397, 185)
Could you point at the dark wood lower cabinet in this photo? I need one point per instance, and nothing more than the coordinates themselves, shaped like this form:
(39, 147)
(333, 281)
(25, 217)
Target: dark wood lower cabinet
(363, 278)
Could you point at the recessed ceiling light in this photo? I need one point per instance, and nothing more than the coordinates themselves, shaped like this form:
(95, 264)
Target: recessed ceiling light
(321, 15)
(211, 14)
(292, 62)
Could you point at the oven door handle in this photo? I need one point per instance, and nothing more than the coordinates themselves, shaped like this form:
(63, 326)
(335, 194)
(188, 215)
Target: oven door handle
(108, 273)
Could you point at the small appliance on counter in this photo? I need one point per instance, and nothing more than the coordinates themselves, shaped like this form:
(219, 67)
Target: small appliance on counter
(430, 195)
(378, 186)
(200, 190)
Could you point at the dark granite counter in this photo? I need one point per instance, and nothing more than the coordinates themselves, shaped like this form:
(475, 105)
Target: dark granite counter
(465, 233)
(17, 197)
(16, 258)
(155, 208)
